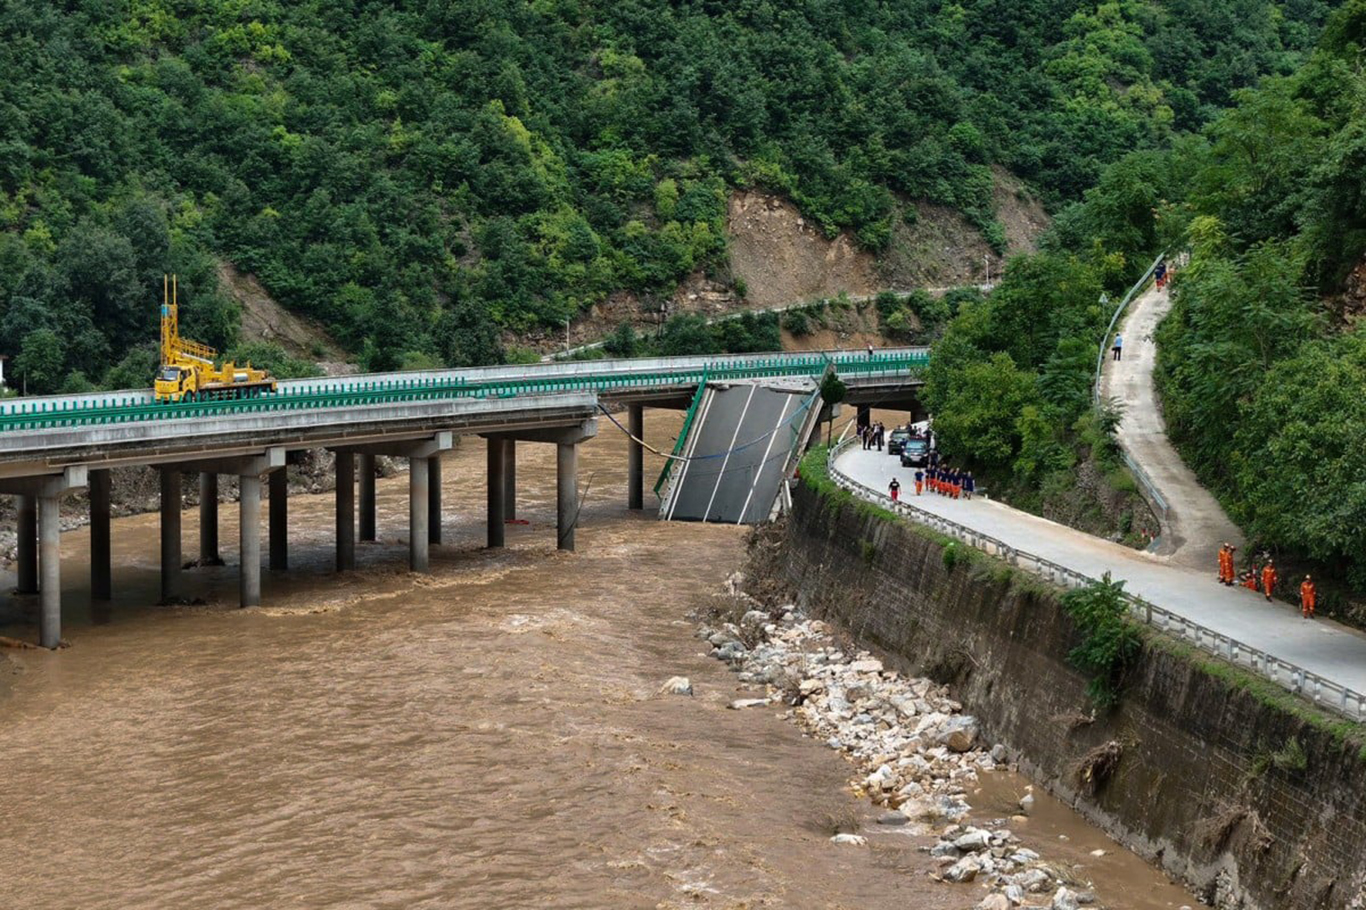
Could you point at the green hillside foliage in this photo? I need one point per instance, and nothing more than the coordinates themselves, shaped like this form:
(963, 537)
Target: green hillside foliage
(420, 176)
(1263, 373)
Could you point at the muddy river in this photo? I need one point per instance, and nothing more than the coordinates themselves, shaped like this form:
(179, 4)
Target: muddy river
(486, 736)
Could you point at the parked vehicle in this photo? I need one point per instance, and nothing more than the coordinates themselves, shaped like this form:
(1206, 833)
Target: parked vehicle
(896, 439)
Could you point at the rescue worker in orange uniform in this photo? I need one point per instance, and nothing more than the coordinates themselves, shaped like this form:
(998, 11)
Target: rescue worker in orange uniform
(1225, 564)
(1268, 579)
(1307, 597)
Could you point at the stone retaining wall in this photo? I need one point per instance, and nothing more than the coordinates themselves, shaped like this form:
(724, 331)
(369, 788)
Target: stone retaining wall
(1208, 782)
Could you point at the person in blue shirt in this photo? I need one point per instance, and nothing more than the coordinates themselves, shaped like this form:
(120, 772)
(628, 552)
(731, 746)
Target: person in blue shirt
(1118, 348)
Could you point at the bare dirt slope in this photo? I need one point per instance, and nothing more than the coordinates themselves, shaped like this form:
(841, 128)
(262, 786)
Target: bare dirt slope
(782, 257)
(265, 320)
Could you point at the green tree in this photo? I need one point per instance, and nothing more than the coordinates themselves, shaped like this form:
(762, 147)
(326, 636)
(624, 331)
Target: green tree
(40, 361)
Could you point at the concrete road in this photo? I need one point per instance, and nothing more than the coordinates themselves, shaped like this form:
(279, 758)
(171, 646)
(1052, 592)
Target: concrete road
(1195, 525)
(1324, 647)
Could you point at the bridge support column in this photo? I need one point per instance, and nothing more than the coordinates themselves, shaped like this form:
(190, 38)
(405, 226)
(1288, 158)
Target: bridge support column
(497, 500)
(567, 493)
(365, 467)
(279, 520)
(509, 479)
(434, 499)
(346, 510)
(635, 464)
(101, 587)
(28, 545)
(418, 530)
(50, 563)
(208, 519)
(249, 530)
(170, 534)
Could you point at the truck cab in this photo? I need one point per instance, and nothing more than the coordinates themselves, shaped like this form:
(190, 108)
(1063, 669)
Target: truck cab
(170, 383)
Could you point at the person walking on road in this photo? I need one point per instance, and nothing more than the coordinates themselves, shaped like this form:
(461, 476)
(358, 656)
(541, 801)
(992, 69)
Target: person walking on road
(969, 486)
(1226, 564)
(894, 490)
(881, 433)
(1160, 273)
(1307, 597)
(1117, 351)
(1268, 580)
(919, 481)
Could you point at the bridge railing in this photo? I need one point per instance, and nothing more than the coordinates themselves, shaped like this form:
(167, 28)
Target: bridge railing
(1318, 689)
(610, 376)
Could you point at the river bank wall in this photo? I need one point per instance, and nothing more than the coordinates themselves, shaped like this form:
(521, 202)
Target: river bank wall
(1251, 798)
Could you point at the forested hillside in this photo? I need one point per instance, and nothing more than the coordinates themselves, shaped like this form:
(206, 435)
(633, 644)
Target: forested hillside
(418, 175)
(1263, 359)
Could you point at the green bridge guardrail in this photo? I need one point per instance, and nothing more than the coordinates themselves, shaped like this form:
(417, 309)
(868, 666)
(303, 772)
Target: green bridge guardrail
(46, 414)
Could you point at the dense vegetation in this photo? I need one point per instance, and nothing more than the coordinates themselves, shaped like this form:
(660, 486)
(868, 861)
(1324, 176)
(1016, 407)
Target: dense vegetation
(418, 176)
(1263, 364)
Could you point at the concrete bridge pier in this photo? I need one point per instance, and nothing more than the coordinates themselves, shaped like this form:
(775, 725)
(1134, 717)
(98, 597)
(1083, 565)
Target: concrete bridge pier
(433, 499)
(28, 545)
(566, 493)
(566, 440)
(208, 519)
(365, 466)
(509, 479)
(279, 520)
(170, 533)
(497, 499)
(346, 510)
(249, 540)
(419, 530)
(421, 453)
(45, 494)
(101, 582)
(635, 465)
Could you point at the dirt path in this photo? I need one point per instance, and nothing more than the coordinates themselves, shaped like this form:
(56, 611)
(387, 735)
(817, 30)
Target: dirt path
(1195, 524)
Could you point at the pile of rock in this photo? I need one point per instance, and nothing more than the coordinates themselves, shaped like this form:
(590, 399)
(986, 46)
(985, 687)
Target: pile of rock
(917, 752)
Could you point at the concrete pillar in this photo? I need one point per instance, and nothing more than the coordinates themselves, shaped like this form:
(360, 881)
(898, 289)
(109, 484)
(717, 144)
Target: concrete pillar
(279, 520)
(434, 499)
(170, 534)
(567, 493)
(101, 587)
(497, 493)
(208, 519)
(249, 528)
(28, 545)
(418, 531)
(509, 479)
(346, 511)
(635, 464)
(50, 563)
(366, 469)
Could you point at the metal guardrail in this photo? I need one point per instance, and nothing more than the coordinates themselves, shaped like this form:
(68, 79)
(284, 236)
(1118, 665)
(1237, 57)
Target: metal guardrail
(1322, 691)
(88, 410)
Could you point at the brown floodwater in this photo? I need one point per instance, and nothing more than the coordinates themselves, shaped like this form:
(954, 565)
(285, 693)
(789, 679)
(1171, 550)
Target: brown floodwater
(486, 736)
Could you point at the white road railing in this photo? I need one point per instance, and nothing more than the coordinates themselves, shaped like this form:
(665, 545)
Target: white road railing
(1321, 691)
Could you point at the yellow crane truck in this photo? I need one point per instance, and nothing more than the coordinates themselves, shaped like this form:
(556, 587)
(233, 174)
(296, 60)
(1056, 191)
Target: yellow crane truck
(188, 372)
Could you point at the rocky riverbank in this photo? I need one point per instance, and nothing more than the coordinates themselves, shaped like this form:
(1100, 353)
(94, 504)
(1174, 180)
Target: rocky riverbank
(914, 750)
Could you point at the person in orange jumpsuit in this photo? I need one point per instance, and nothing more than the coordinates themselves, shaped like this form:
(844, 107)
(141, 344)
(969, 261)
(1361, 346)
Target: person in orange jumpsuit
(1307, 597)
(1250, 581)
(1268, 579)
(919, 480)
(1225, 564)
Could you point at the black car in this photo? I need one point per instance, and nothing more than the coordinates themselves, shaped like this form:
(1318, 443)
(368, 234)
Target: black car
(915, 452)
(895, 440)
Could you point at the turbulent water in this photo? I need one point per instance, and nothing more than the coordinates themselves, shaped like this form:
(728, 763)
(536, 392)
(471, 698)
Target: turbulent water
(486, 736)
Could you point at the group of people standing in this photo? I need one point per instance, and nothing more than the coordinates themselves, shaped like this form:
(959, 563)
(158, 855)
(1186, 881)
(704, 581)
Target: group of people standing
(1263, 578)
(872, 435)
(945, 481)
